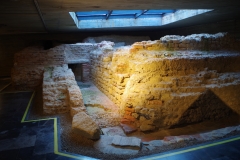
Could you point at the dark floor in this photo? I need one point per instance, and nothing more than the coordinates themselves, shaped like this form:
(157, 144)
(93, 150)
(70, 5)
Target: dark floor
(224, 149)
(21, 139)
(4, 82)
(32, 140)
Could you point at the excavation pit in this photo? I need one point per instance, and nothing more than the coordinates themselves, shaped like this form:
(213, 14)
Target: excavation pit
(165, 94)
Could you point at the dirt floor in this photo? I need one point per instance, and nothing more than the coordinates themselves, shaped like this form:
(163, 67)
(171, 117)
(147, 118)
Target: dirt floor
(73, 143)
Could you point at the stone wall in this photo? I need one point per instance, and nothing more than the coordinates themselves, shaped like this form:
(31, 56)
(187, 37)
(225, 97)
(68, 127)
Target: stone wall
(164, 83)
(78, 56)
(102, 72)
(159, 86)
(62, 94)
(202, 42)
(60, 91)
(27, 72)
(79, 52)
(118, 40)
(29, 63)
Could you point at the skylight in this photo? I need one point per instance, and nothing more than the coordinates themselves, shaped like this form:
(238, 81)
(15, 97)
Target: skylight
(130, 18)
(116, 14)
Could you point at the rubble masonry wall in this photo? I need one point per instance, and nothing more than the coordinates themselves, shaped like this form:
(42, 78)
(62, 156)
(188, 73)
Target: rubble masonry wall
(29, 63)
(159, 86)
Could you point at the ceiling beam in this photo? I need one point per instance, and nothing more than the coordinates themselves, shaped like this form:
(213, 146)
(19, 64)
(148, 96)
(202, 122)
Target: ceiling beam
(138, 15)
(40, 14)
(109, 14)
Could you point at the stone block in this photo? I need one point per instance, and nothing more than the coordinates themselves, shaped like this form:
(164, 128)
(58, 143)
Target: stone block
(112, 131)
(128, 127)
(105, 146)
(76, 110)
(75, 96)
(146, 127)
(126, 141)
(85, 126)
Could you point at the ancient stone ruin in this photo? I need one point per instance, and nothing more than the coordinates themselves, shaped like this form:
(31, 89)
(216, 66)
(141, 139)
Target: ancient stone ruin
(176, 80)
(172, 81)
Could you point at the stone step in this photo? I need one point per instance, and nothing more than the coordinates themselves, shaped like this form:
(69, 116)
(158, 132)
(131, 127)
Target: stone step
(104, 145)
(84, 125)
(126, 141)
(112, 131)
(128, 127)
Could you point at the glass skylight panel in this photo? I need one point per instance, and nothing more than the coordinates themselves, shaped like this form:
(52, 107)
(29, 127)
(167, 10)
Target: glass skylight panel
(126, 11)
(131, 18)
(92, 13)
(105, 14)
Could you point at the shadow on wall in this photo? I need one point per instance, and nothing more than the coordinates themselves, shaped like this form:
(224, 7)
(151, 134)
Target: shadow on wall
(81, 71)
(207, 107)
(47, 45)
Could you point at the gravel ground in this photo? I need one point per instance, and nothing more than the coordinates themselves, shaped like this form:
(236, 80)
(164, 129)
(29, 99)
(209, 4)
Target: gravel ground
(73, 143)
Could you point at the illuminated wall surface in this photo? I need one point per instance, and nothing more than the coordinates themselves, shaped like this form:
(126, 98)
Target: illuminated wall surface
(157, 84)
(165, 83)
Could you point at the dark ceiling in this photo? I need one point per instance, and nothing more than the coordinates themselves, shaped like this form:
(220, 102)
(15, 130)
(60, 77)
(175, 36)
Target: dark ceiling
(52, 16)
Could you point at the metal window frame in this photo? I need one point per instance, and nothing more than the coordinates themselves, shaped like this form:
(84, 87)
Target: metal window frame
(107, 14)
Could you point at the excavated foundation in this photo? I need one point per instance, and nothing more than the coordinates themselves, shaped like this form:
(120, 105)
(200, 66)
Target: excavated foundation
(155, 85)
(158, 88)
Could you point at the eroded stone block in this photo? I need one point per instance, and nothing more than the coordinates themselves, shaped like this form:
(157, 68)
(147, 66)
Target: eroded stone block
(126, 141)
(85, 126)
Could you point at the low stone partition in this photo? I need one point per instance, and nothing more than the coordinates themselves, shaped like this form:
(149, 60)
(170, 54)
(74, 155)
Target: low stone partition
(58, 94)
(159, 87)
(61, 94)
